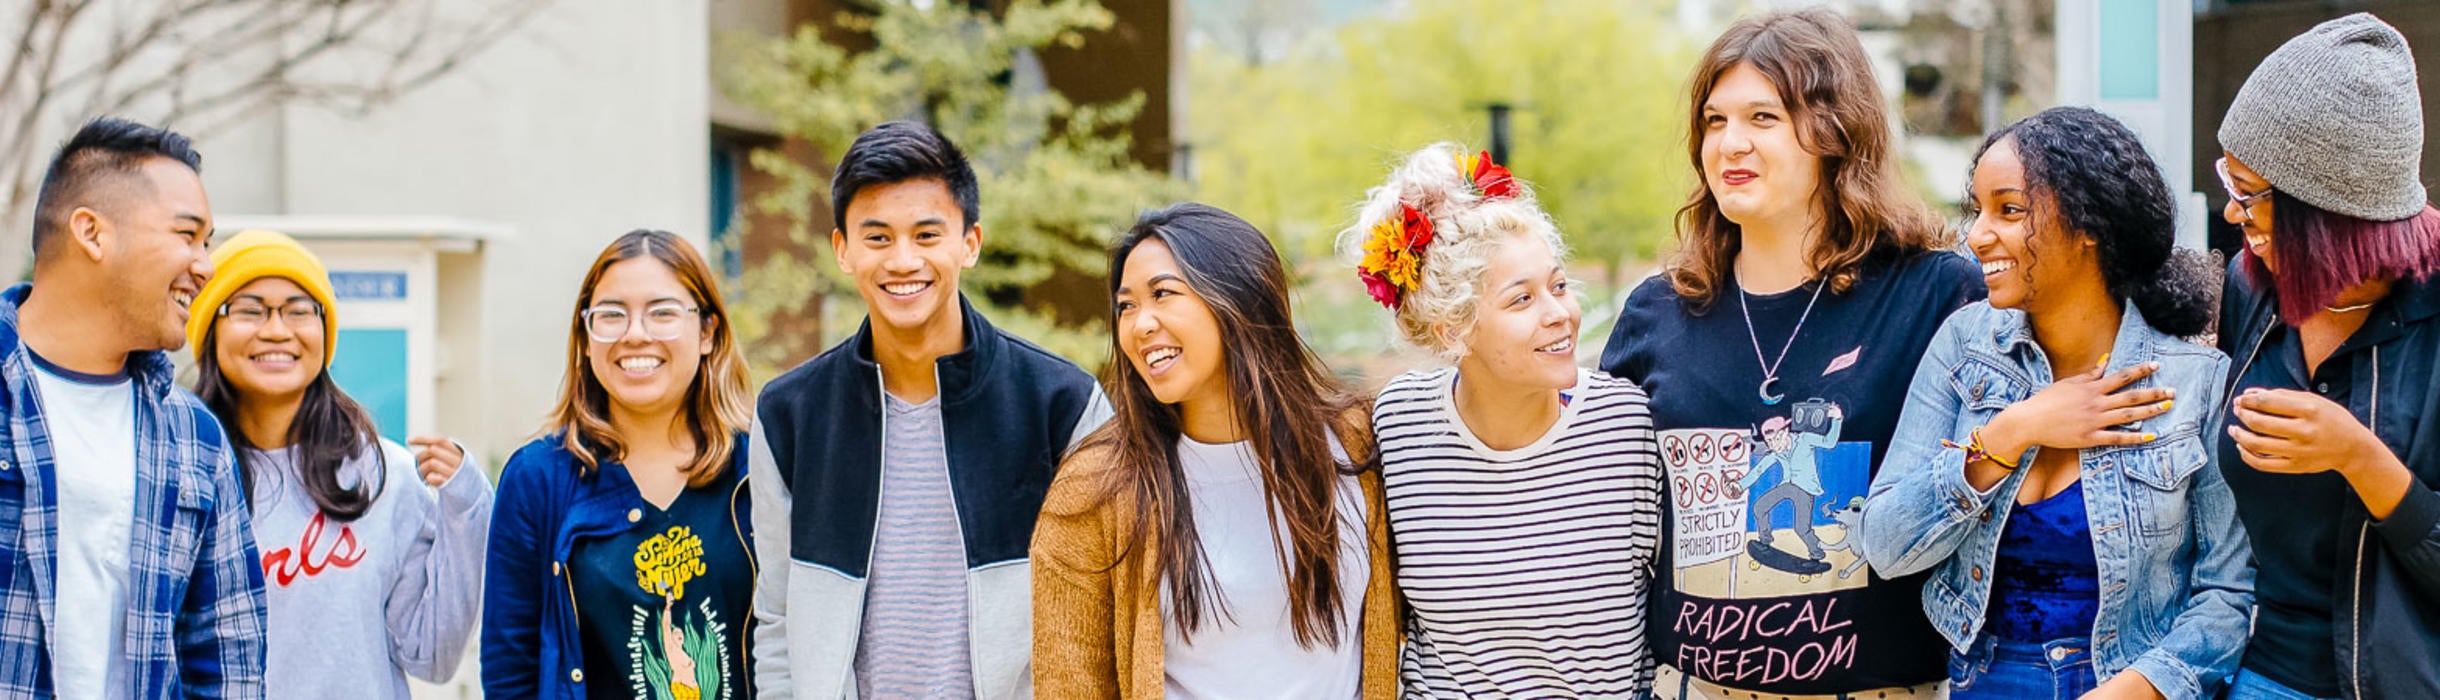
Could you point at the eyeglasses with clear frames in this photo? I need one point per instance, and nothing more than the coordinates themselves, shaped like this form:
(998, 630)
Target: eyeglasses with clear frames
(253, 313)
(2245, 202)
(664, 321)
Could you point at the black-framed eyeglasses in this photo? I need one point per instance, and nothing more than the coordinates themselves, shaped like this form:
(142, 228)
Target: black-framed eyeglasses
(2245, 202)
(663, 321)
(253, 313)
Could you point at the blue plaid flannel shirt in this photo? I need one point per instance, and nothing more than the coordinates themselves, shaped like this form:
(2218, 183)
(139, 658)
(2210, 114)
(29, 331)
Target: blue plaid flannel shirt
(195, 595)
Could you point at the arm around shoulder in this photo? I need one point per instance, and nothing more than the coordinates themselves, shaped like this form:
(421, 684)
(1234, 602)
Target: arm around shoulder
(1074, 562)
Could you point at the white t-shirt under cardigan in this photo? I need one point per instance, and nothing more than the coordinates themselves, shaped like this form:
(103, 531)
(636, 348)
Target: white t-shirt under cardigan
(1526, 571)
(1250, 652)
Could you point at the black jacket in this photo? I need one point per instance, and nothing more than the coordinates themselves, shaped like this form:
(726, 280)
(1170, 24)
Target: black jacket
(2388, 594)
(1008, 409)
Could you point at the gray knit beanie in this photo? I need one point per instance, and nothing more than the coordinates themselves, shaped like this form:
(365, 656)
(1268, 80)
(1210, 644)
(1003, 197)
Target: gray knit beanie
(2333, 118)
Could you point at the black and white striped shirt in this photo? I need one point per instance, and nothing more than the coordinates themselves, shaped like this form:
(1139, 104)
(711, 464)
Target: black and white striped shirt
(1526, 570)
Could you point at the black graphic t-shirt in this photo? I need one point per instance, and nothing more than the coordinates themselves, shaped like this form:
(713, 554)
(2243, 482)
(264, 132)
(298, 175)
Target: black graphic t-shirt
(1759, 586)
(664, 607)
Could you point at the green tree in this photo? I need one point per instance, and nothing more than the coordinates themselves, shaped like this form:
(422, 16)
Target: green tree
(1057, 181)
(1292, 144)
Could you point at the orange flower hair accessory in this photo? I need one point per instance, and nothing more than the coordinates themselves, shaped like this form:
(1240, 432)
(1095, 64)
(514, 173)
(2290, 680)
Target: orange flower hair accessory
(1393, 256)
(1491, 180)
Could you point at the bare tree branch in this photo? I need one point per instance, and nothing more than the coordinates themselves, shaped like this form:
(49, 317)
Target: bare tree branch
(209, 64)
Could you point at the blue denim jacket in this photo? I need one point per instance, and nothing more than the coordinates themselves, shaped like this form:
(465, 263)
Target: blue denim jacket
(2175, 570)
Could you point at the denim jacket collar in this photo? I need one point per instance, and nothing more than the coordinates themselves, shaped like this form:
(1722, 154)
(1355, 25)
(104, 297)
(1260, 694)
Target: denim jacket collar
(2136, 344)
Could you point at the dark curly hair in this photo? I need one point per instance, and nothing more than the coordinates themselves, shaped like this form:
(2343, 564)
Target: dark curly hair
(2094, 175)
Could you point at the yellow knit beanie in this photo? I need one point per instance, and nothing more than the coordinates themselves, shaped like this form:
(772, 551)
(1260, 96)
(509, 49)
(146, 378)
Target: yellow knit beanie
(253, 255)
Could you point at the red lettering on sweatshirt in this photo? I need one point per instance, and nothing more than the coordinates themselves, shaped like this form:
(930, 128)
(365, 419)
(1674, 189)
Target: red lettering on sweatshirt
(286, 565)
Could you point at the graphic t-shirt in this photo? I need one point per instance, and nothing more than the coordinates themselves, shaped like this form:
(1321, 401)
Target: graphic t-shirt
(1760, 585)
(663, 607)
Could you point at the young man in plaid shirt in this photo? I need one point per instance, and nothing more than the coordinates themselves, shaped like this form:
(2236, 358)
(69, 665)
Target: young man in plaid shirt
(127, 562)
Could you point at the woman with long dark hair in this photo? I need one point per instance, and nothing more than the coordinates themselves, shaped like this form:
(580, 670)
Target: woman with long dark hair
(1776, 348)
(372, 551)
(1526, 491)
(2332, 319)
(1222, 535)
(2051, 466)
(622, 562)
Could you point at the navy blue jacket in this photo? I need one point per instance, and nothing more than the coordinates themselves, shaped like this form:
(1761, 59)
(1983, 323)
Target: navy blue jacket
(530, 647)
(1009, 411)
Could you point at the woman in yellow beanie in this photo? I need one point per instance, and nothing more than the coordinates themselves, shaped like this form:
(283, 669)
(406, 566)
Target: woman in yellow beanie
(372, 552)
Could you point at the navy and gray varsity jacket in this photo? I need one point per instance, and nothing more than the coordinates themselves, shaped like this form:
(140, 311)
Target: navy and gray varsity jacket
(1009, 411)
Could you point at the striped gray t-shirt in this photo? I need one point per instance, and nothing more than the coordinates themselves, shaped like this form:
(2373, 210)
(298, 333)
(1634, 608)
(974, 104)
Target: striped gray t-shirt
(915, 641)
(1526, 571)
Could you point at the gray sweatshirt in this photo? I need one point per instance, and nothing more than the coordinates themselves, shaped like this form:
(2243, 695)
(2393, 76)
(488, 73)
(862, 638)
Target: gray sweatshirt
(356, 607)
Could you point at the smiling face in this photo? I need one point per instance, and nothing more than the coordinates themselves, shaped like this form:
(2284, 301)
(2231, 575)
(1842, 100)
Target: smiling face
(2021, 254)
(1753, 163)
(1525, 320)
(2249, 207)
(271, 343)
(152, 246)
(642, 374)
(907, 243)
(1166, 330)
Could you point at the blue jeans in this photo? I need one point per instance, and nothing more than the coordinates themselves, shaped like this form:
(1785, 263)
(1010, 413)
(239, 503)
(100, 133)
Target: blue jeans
(2254, 686)
(2001, 668)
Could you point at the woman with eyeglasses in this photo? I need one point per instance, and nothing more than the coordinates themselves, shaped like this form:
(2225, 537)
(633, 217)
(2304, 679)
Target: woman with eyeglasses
(622, 558)
(2331, 320)
(372, 551)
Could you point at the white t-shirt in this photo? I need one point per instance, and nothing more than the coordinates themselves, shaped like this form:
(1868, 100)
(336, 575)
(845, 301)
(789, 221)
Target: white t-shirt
(1251, 652)
(92, 421)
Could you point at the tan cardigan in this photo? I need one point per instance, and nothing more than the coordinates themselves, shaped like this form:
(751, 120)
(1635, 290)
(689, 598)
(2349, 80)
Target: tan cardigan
(1097, 607)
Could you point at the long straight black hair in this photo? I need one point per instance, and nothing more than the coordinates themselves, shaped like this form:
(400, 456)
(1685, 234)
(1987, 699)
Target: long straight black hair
(1287, 402)
(328, 429)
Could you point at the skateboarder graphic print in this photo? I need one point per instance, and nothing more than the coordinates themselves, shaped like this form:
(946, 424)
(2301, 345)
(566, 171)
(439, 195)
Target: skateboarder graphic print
(1757, 507)
(1796, 456)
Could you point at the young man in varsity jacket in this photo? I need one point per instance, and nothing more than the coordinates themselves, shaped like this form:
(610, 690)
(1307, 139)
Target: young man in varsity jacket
(899, 473)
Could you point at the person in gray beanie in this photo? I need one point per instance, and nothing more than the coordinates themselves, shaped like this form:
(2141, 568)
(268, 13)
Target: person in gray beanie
(2331, 318)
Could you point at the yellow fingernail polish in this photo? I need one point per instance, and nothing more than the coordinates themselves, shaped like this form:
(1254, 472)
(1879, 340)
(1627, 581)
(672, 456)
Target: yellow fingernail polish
(2166, 405)
(2148, 437)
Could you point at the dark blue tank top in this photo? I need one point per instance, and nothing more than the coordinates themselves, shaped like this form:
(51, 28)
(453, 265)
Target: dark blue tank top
(2045, 585)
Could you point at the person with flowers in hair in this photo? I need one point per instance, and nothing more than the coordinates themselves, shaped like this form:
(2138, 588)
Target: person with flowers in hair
(1524, 492)
(1807, 283)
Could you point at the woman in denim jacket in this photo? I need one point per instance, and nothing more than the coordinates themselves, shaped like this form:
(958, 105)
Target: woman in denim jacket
(2075, 526)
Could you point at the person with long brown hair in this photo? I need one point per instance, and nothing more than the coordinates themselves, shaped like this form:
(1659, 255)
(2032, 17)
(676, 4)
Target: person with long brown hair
(1223, 535)
(1776, 349)
(622, 561)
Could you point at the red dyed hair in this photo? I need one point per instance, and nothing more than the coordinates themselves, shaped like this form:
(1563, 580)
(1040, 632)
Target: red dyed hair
(2322, 253)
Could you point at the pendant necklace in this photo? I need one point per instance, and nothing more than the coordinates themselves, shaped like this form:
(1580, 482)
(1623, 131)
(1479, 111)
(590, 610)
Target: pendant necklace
(1770, 368)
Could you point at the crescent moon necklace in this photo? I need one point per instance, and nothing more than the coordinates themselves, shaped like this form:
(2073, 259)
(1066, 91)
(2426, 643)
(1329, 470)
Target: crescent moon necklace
(1770, 368)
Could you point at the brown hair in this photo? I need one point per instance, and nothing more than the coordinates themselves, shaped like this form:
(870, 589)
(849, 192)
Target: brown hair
(716, 401)
(1286, 401)
(1826, 81)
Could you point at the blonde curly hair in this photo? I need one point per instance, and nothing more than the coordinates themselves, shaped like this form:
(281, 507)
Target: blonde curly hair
(1466, 226)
